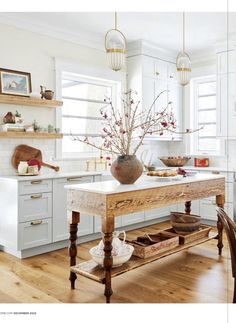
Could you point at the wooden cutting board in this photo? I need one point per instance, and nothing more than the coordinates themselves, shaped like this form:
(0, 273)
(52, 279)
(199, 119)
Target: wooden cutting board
(25, 153)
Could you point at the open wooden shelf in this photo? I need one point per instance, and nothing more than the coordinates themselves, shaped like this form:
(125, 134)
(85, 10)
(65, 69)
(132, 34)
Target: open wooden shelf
(21, 100)
(32, 135)
(95, 272)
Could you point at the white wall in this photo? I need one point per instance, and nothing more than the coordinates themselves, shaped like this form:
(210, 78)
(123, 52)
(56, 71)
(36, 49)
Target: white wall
(30, 52)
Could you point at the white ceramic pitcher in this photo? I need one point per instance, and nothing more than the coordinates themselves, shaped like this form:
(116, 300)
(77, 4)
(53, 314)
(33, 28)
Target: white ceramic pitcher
(117, 244)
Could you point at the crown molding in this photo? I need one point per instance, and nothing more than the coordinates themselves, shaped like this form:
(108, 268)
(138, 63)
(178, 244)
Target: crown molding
(143, 47)
(82, 39)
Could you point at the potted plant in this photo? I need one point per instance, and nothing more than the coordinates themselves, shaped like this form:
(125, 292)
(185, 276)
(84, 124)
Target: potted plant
(124, 130)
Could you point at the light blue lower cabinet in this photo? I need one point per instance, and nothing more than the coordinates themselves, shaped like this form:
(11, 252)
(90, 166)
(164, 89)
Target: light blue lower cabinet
(195, 208)
(133, 218)
(85, 225)
(98, 224)
(157, 213)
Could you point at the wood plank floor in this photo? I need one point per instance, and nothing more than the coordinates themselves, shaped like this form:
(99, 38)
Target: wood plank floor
(197, 275)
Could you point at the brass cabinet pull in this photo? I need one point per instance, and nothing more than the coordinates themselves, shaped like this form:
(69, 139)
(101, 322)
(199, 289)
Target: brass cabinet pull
(157, 73)
(38, 196)
(36, 182)
(171, 76)
(74, 179)
(36, 222)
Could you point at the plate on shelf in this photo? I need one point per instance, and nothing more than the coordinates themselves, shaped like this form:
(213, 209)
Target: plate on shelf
(191, 172)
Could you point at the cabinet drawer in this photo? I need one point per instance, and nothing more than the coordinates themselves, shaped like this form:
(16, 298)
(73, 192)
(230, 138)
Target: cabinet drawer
(35, 206)
(35, 186)
(35, 233)
(157, 213)
(77, 180)
(208, 209)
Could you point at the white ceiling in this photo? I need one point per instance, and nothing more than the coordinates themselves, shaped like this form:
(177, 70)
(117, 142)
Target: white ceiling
(203, 30)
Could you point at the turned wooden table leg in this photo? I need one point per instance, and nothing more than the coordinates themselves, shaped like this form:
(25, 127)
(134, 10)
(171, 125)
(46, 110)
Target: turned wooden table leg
(220, 201)
(107, 229)
(188, 207)
(73, 247)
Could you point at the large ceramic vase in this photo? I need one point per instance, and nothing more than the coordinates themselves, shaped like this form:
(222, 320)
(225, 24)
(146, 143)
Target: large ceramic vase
(126, 169)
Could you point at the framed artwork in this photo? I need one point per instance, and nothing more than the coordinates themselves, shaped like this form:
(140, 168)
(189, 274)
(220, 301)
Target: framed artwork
(15, 82)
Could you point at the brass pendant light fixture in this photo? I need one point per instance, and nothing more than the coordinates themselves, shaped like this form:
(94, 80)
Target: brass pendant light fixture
(183, 63)
(115, 45)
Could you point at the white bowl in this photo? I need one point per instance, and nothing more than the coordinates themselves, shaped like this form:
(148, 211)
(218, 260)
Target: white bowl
(117, 260)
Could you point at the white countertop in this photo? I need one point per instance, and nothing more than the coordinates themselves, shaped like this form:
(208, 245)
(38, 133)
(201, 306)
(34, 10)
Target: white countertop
(145, 182)
(50, 176)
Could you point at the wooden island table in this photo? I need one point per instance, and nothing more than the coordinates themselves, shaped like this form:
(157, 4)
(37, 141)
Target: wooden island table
(110, 199)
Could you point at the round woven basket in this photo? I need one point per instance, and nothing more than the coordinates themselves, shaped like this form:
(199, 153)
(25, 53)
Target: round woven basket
(183, 223)
(175, 162)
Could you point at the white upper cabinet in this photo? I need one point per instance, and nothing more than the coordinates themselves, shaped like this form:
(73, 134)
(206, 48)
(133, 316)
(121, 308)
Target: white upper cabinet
(155, 76)
(161, 69)
(226, 62)
(148, 66)
(175, 96)
(226, 100)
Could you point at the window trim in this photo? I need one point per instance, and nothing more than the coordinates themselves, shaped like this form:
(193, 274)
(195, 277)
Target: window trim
(194, 118)
(62, 67)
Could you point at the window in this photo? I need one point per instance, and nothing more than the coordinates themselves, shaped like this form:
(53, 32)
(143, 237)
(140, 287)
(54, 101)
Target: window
(204, 116)
(83, 97)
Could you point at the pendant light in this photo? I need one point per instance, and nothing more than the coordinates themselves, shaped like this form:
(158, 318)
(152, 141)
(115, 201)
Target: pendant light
(115, 45)
(183, 63)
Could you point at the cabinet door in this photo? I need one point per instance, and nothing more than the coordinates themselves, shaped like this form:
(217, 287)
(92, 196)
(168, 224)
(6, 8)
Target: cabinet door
(148, 64)
(208, 209)
(98, 224)
(226, 105)
(161, 69)
(226, 62)
(35, 233)
(161, 103)
(171, 76)
(231, 105)
(132, 218)
(175, 96)
(194, 207)
(157, 213)
(148, 93)
(222, 103)
(60, 215)
(35, 206)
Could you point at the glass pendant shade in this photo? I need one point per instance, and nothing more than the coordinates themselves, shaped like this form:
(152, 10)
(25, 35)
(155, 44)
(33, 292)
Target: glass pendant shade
(115, 45)
(183, 63)
(183, 67)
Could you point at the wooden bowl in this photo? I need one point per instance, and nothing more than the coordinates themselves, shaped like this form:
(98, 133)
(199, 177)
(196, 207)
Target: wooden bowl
(175, 162)
(185, 223)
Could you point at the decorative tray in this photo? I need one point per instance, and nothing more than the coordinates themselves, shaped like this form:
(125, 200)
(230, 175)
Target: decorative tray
(161, 242)
(190, 237)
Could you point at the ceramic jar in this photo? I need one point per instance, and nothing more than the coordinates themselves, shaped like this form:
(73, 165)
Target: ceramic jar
(22, 167)
(126, 169)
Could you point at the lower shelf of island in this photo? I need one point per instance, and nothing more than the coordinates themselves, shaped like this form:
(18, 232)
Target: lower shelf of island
(31, 135)
(95, 272)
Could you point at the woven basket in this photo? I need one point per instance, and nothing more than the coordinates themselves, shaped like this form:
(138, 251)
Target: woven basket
(183, 223)
(177, 162)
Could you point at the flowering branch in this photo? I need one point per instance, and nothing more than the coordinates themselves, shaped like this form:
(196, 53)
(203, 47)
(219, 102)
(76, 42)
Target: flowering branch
(121, 128)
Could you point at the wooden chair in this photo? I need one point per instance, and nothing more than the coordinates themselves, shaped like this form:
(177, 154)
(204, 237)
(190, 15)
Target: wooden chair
(230, 229)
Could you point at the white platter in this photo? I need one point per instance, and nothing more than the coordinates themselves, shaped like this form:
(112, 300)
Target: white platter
(165, 179)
